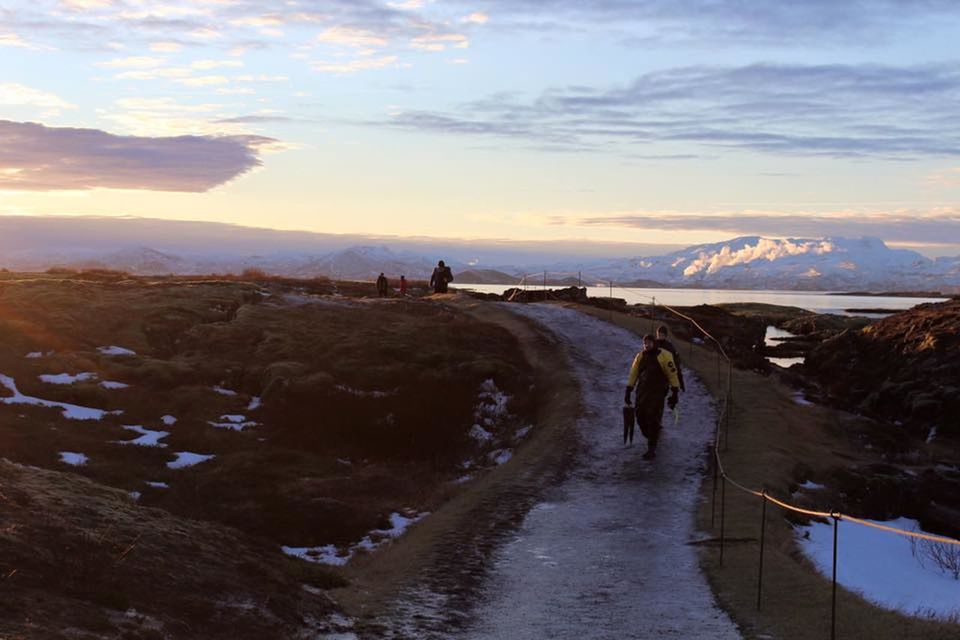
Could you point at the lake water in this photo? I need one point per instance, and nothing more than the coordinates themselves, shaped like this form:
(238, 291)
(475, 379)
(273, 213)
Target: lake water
(816, 301)
(772, 338)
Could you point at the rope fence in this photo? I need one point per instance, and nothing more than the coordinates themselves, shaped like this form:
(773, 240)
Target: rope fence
(721, 440)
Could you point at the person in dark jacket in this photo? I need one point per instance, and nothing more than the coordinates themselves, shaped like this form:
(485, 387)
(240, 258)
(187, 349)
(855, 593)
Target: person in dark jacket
(403, 285)
(652, 373)
(382, 285)
(664, 343)
(442, 275)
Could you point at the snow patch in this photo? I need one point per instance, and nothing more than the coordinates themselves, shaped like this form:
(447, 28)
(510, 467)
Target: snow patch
(66, 378)
(500, 456)
(365, 394)
(810, 485)
(330, 554)
(224, 392)
(114, 350)
(158, 485)
(148, 437)
(73, 458)
(233, 426)
(39, 354)
(881, 566)
(168, 420)
(801, 399)
(188, 459)
(480, 434)
(254, 403)
(112, 384)
(69, 411)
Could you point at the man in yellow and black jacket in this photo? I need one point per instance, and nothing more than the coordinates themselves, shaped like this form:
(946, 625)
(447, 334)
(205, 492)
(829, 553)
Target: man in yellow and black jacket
(652, 373)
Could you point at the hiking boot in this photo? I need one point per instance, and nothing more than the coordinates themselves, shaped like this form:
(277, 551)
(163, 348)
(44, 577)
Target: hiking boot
(650, 454)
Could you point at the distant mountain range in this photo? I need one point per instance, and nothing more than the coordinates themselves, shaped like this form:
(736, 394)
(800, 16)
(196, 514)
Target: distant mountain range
(750, 262)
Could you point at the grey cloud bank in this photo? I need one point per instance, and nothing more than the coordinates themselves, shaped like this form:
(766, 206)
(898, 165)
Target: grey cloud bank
(39, 158)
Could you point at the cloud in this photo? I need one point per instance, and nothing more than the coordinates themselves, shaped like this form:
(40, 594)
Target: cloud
(949, 178)
(784, 109)
(34, 157)
(915, 227)
(14, 94)
(361, 64)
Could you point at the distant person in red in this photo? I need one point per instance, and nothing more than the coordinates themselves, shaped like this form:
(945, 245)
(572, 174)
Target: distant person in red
(382, 285)
(403, 285)
(441, 277)
(652, 373)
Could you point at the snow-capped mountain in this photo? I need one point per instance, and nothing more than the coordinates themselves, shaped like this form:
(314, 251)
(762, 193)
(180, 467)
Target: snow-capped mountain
(752, 262)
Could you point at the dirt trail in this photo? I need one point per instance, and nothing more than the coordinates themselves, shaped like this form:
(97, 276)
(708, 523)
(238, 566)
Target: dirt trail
(605, 550)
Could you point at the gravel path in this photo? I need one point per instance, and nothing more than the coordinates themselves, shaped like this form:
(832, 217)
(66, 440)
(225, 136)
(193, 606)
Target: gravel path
(607, 555)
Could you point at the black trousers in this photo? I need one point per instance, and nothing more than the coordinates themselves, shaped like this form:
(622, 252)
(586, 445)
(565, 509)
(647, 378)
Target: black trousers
(649, 413)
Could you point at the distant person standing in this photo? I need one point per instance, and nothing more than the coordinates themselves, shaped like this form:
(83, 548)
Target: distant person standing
(441, 277)
(664, 343)
(382, 285)
(403, 285)
(652, 373)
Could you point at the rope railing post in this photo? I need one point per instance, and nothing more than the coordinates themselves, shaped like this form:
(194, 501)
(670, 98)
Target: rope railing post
(833, 605)
(716, 468)
(723, 514)
(763, 538)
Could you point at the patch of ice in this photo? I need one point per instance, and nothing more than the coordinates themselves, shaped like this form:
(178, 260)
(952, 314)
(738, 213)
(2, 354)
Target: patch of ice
(158, 485)
(168, 420)
(897, 582)
(66, 378)
(500, 456)
(188, 459)
(73, 458)
(112, 384)
(224, 392)
(254, 403)
(69, 411)
(114, 350)
(148, 437)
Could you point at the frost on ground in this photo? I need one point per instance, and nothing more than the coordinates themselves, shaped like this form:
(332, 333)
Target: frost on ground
(607, 554)
(69, 411)
(882, 567)
(332, 555)
(188, 459)
(73, 458)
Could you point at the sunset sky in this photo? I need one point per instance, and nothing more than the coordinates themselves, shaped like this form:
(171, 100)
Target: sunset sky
(657, 122)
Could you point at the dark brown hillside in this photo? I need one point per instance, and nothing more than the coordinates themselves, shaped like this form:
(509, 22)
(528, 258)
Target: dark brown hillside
(326, 412)
(904, 369)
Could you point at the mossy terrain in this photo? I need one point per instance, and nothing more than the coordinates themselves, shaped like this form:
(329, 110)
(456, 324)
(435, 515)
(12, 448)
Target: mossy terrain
(325, 409)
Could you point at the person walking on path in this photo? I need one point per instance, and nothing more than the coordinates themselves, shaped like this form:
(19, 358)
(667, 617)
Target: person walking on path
(652, 373)
(382, 285)
(403, 285)
(664, 343)
(441, 277)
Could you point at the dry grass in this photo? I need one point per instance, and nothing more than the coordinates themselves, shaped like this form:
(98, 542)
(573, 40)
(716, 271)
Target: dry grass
(774, 444)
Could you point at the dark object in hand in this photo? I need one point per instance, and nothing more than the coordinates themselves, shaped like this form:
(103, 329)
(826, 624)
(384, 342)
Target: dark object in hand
(673, 399)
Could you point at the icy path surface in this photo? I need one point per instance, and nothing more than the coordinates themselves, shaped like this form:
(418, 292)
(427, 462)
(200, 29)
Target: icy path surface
(608, 555)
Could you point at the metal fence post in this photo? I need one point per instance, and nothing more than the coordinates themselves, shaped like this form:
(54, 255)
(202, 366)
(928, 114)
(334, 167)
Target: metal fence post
(723, 514)
(833, 612)
(763, 537)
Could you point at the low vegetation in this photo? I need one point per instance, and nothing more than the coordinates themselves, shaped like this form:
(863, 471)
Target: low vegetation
(325, 410)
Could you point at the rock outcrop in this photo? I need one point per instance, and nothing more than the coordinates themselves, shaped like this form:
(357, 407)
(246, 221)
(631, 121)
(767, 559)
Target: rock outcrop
(902, 369)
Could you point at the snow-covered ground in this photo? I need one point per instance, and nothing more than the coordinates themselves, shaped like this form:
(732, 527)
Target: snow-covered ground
(331, 554)
(882, 567)
(188, 459)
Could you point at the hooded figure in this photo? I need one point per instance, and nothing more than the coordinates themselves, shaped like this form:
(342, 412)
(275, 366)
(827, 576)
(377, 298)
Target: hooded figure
(442, 275)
